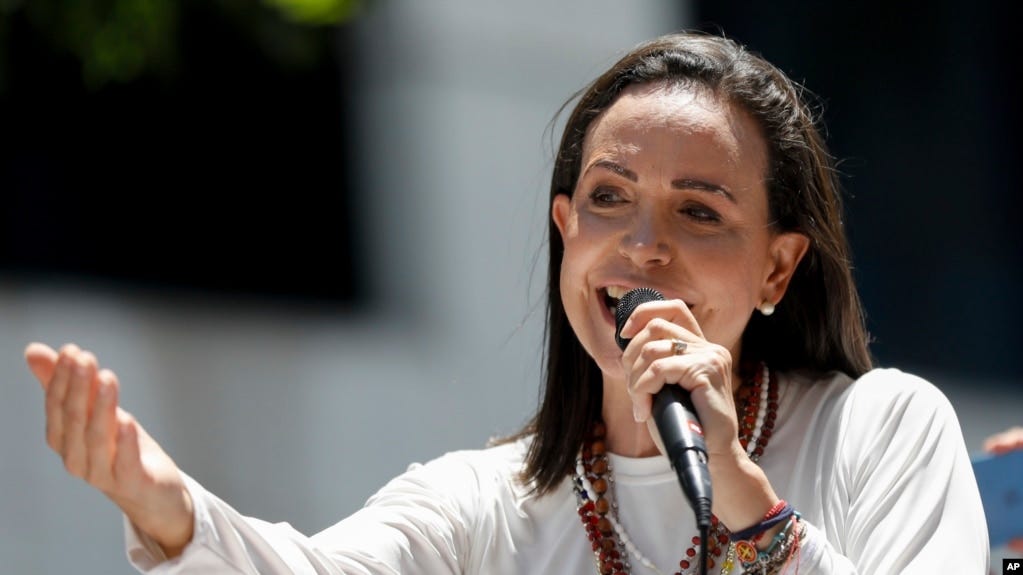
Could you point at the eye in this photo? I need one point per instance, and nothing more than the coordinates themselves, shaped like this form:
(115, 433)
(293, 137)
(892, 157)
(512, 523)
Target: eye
(604, 196)
(701, 213)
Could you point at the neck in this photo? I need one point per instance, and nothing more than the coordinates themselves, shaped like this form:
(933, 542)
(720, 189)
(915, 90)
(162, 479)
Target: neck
(624, 435)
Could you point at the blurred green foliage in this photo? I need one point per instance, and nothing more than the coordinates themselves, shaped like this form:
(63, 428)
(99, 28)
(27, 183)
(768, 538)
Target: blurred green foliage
(317, 12)
(118, 41)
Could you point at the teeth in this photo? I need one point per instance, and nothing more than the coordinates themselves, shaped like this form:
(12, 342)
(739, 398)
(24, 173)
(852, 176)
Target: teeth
(617, 291)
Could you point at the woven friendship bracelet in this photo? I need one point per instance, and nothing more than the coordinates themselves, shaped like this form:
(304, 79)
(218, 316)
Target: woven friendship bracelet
(769, 521)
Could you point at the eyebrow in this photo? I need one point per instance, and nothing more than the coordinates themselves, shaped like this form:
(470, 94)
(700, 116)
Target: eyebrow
(679, 184)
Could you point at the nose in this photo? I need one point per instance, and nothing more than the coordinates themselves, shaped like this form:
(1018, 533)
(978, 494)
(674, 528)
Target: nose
(645, 241)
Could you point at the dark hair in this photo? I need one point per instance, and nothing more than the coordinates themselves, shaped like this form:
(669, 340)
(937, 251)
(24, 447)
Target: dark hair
(820, 324)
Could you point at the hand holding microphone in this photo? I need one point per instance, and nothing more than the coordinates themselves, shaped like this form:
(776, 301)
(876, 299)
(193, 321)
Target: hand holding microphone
(677, 421)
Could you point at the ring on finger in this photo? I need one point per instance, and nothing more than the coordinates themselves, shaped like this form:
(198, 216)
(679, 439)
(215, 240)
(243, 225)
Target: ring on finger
(678, 347)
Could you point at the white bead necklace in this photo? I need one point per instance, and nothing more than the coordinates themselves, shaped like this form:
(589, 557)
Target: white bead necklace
(584, 488)
(758, 428)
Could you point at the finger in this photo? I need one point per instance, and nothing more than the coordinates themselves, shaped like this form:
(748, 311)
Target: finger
(643, 351)
(77, 404)
(994, 444)
(658, 348)
(674, 310)
(101, 431)
(687, 371)
(55, 395)
(651, 376)
(127, 458)
(657, 330)
(1005, 441)
(642, 407)
(42, 361)
(664, 328)
(651, 379)
(637, 361)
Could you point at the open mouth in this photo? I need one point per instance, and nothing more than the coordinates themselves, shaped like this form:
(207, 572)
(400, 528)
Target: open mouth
(612, 295)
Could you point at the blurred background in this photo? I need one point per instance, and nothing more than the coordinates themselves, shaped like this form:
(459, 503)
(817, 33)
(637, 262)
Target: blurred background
(308, 234)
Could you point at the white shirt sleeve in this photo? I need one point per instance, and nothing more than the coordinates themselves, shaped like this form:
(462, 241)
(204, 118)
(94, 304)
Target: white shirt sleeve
(417, 523)
(904, 499)
(879, 468)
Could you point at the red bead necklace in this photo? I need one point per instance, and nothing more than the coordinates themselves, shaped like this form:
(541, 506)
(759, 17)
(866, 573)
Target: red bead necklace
(593, 481)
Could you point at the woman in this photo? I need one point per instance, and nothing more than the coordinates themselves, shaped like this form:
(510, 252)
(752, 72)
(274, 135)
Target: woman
(691, 167)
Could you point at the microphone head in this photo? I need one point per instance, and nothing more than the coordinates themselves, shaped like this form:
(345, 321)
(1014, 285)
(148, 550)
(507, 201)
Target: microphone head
(628, 304)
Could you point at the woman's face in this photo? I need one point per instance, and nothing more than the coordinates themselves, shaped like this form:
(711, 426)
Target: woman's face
(671, 195)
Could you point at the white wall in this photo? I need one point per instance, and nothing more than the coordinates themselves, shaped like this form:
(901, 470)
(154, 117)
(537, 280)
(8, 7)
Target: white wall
(298, 415)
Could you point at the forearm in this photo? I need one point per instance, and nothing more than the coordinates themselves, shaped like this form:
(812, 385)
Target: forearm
(742, 492)
(222, 540)
(398, 535)
(171, 528)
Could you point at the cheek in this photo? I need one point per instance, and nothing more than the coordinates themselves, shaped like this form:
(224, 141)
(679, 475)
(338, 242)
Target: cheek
(573, 295)
(573, 277)
(587, 238)
(580, 257)
(575, 250)
(737, 284)
(731, 276)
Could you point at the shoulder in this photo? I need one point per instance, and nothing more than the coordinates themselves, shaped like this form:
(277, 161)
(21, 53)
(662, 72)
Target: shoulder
(884, 404)
(850, 426)
(879, 388)
(896, 382)
(890, 392)
(883, 407)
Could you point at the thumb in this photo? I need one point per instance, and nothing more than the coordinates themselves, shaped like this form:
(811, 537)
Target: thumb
(42, 360)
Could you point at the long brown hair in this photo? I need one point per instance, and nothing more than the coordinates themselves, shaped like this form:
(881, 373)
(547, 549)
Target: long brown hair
(820, 325)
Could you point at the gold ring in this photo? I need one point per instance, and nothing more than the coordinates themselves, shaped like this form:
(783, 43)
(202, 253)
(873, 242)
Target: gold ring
(678, 347)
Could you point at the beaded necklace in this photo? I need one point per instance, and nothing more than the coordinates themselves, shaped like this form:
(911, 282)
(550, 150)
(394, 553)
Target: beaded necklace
(593, 483)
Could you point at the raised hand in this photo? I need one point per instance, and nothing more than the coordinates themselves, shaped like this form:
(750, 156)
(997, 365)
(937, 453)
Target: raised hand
(104, 444)
(705, 370)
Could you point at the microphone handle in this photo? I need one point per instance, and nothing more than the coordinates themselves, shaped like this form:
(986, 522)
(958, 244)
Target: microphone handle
(683, 441)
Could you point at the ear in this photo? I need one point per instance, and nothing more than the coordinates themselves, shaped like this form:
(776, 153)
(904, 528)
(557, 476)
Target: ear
(786, 250)
(561, 213)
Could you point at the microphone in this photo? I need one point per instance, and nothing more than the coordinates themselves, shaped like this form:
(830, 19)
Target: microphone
(677, 423)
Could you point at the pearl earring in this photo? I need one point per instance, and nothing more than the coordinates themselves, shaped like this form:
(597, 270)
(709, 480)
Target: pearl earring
(766, 308)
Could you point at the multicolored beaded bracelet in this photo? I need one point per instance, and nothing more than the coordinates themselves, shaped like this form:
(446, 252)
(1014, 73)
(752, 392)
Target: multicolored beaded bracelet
(782, 547)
